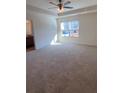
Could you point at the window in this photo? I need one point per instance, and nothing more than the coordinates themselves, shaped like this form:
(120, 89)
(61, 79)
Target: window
(70, 29)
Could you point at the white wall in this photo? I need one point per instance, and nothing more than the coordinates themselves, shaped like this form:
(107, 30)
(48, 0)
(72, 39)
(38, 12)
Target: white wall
(44, 27)
(87, 29)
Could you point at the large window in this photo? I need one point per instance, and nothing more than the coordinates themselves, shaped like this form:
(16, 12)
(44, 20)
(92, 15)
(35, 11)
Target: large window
(70, 28)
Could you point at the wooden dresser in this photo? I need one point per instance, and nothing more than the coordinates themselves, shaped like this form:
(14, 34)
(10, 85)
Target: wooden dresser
(29, 41)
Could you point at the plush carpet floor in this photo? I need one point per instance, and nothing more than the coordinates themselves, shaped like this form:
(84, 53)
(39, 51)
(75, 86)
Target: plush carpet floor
(62, 69)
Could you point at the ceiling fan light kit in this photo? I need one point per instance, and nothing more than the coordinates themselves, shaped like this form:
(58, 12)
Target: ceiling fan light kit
(60, 10)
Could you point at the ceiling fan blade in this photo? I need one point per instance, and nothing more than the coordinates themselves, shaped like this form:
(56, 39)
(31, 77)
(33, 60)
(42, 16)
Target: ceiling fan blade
(68, 7)
(53, 3)
(68, 2)
(52, 7)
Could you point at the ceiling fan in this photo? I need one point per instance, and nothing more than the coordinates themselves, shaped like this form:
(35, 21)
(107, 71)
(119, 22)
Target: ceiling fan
(61, 5)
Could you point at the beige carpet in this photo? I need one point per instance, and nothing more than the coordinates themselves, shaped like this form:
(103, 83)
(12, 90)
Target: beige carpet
(62, 69)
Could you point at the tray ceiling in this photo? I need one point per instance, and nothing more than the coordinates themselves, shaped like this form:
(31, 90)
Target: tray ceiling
(77, 4)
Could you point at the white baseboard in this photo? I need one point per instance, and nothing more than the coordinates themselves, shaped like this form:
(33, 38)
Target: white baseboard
(83, 44)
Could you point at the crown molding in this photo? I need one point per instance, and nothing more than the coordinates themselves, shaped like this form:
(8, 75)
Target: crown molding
(80, 11)
(39, 10)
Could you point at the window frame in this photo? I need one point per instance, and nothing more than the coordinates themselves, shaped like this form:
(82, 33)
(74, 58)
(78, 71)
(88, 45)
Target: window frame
(69, 31)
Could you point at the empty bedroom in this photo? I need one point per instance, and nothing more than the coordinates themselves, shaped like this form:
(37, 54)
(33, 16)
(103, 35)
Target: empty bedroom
(61, 46)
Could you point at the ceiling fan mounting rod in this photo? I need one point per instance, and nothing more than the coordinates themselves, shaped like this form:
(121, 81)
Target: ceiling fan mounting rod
(60, 1)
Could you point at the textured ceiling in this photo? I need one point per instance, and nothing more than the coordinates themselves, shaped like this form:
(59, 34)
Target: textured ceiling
(77, 4)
